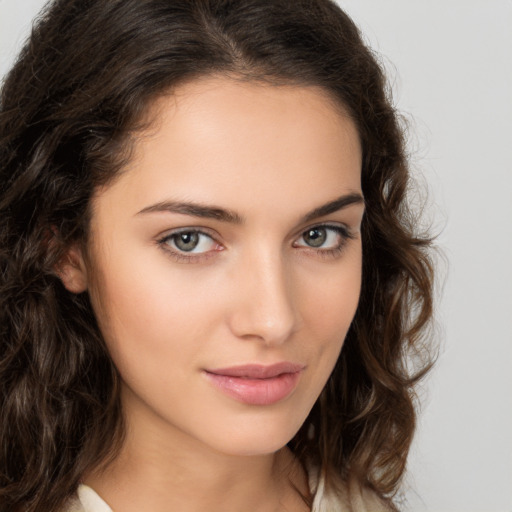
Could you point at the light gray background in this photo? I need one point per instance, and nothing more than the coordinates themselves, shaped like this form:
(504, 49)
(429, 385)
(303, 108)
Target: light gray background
(450, 64)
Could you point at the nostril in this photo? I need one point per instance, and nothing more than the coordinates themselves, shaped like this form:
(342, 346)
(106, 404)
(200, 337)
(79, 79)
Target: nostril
(267, 317)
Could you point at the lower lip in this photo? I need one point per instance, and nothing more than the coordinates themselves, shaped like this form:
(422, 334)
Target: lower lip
(256, 391)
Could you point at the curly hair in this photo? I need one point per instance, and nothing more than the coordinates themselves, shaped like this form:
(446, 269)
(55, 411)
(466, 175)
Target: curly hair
(69, 109)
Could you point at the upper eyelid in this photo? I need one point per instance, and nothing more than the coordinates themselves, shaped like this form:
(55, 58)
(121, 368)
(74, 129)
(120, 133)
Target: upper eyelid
(208, 232)
(184, 256)
(213, 234)
(188, 229)
(163, 240)
(327, 224)
(342, 230)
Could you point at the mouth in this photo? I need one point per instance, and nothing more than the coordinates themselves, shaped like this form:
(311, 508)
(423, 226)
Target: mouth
(256, 384)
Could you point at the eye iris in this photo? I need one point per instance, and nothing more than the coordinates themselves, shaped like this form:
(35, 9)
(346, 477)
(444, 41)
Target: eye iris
(315, 237)
(186, 241)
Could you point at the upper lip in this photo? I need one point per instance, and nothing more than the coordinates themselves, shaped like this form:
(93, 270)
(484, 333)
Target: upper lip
(258, 371)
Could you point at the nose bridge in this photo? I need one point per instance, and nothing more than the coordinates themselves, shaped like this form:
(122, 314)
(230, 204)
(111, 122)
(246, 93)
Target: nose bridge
(264, 306)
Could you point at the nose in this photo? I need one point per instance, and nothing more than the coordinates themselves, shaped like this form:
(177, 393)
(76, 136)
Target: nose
(263, 305)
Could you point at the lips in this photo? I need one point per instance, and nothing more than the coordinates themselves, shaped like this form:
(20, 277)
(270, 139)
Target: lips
(255, 384)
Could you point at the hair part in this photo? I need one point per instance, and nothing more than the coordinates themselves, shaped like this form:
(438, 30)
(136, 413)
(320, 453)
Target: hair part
(70, 110)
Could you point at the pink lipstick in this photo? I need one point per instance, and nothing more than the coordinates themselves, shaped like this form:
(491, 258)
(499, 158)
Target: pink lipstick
(255, 384)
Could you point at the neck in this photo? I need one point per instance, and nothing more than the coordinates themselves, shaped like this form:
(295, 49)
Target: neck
(163, 471)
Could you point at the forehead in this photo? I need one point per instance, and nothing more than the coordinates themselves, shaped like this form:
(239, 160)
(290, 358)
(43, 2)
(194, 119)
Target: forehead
(245, 145)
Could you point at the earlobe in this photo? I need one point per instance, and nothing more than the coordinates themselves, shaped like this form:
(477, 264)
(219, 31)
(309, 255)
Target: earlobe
(72, 270)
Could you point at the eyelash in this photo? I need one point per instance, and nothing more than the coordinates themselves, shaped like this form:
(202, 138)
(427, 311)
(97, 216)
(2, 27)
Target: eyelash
(183, 257)
(344, 234)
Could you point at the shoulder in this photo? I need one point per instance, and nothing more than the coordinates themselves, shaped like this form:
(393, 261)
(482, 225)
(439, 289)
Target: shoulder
(366, 500)
(345, 497)
(86, 500)
(348, 498)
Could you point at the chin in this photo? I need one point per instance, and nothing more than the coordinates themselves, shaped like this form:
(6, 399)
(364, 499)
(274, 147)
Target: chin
(251, 437)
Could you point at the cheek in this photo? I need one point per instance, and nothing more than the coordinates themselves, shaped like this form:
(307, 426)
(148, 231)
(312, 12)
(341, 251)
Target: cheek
(149, 313)
(153, 314)
(333, 295)
(328, 311)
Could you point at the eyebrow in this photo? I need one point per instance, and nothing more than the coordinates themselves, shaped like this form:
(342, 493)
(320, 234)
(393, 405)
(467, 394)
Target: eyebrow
(333, 206)
(225, 215)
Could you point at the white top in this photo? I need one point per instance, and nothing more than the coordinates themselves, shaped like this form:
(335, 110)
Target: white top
(360, 501)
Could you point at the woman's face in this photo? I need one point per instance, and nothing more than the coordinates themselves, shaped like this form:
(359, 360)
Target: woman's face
(225, 263)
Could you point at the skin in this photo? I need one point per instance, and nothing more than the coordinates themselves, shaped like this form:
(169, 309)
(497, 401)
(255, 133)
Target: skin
(251, 292)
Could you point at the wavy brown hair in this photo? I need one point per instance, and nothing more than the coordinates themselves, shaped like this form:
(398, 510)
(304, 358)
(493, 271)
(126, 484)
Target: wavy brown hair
(69, 109)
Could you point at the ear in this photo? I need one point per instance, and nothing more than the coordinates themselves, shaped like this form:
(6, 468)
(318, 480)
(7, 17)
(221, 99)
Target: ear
(72, 270)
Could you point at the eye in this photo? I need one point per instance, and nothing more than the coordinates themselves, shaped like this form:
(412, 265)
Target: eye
(327, 239)
(189, 241)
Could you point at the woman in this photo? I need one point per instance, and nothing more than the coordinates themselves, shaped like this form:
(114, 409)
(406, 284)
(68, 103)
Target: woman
(211, 281)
